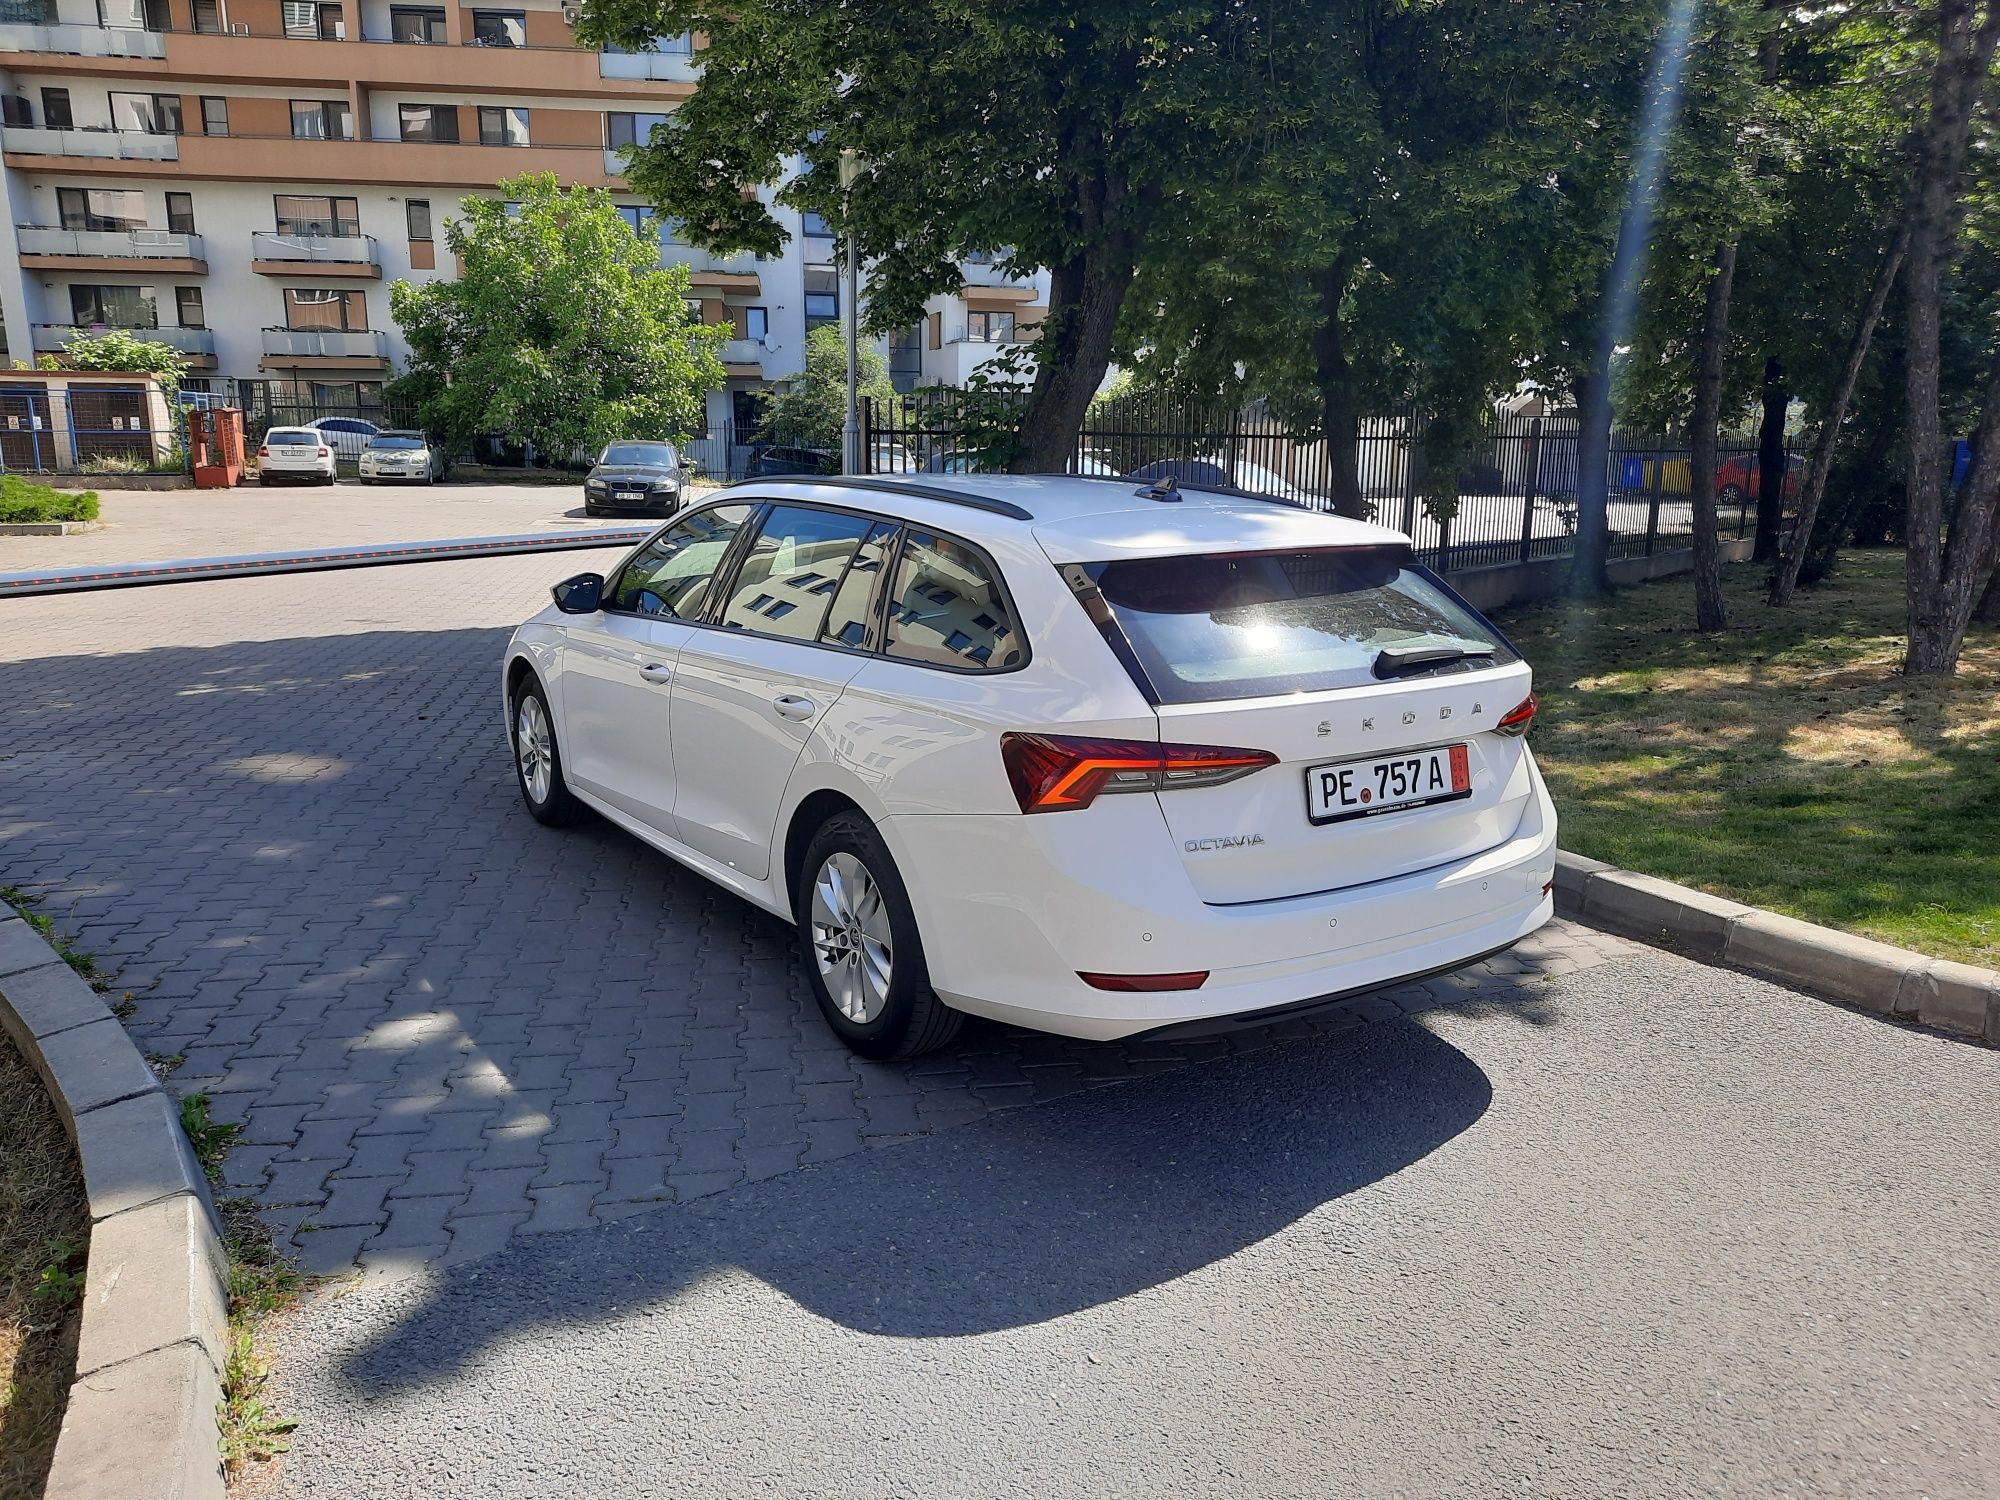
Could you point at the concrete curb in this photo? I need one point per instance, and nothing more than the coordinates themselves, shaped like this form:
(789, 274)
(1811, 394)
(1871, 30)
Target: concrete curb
(1856, 971)
(142, 1409)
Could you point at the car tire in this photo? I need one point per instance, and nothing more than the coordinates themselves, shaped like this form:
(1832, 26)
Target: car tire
(850, 931)
(1730, 494)
(538, 767)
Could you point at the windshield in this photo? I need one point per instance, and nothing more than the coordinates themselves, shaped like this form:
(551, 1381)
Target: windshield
(651, 455)
(1208, 627)
(395, 440)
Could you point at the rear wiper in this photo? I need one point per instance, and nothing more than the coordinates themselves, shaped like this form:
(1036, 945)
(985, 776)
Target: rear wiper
(1403, 661)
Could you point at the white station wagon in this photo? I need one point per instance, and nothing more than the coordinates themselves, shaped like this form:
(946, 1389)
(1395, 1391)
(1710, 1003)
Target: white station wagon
(1079, 754)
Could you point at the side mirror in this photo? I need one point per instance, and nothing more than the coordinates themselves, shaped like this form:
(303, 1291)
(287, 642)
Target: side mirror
(579, 595)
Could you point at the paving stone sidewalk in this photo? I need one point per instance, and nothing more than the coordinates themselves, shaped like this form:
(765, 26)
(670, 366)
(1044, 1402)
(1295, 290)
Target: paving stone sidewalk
(282, 811)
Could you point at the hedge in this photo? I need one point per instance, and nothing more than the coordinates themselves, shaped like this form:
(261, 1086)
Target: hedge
(22, 501)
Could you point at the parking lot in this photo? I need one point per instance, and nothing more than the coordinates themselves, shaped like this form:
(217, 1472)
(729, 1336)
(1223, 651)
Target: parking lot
(1585, 1219)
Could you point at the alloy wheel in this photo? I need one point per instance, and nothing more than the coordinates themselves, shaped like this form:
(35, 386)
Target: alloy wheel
(535, 746)
(851, 937)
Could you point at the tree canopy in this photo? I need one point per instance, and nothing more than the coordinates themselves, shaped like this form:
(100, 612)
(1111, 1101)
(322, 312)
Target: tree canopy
(563, 330)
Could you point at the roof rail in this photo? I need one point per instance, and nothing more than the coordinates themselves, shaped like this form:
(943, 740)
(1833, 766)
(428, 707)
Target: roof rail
(899, 487)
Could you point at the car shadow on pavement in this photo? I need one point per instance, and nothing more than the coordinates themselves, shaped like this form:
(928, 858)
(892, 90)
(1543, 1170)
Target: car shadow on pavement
(1023, 1217)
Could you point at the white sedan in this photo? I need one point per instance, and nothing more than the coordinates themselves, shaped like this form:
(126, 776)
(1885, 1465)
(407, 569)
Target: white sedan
(294, 455)
(1070, 753)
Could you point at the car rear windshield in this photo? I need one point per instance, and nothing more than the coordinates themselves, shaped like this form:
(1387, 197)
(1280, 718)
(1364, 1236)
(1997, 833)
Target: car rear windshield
(1211, 627)
(639, 453)
(395, 440)
(293, 435)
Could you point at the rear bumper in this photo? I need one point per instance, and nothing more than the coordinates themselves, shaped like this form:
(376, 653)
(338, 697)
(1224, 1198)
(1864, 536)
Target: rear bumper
(1012, 908)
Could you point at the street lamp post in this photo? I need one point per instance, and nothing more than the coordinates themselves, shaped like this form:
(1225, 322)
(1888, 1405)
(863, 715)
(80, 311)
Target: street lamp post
(850, 440)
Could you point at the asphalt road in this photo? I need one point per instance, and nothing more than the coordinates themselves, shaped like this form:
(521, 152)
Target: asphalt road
(1662, 1230)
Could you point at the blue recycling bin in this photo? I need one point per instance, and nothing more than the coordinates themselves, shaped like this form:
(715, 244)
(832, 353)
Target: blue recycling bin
(1632, 474)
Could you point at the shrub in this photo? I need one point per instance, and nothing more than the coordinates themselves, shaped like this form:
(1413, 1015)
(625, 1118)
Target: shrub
(22, 501)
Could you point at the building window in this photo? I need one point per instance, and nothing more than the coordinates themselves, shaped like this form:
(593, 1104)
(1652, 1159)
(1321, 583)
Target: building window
(187, 300)
(417, 214)
(149, 114)
(208, 16)
(180, 213)
(103, 209)
(989, 327)
(214, 115)
(695, 311)
(428, 122)
(55, 110)
(499, 28)
(822, 286)
(409, 23)
(114, 307)
(198, 385)
(630, 129)
(313, 215)
(145, 15)
(502, 125)
(322, 120)
(322, 308)
(15, 110)
(756, 323)
(304, 19)
(642, 219)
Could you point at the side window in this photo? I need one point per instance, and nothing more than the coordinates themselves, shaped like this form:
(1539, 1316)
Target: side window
(946, 608)
(792, 571)
(848, 620)
(670, 576)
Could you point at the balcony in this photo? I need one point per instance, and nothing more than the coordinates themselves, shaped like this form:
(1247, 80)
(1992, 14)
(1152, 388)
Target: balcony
(750, 352)
(282, 345)
(110, 250)
(347, 255)
(101, 145)
(665, 67)
(82, 41)
(198, 344)
(736, 271)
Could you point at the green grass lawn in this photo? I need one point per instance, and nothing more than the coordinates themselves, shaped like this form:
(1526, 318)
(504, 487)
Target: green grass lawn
(1784, 762)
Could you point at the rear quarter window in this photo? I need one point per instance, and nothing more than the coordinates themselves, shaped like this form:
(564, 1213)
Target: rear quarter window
(1204, 628)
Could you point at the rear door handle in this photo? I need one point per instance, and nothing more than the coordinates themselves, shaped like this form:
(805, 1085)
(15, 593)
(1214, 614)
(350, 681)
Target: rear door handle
(793, 706)
(655, 672)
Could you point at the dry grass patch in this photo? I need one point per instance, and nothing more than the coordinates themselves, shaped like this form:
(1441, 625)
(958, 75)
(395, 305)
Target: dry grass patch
(44, 1230)
(1784, 762)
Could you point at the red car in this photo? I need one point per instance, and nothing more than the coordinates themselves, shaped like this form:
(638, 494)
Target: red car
(1737, 477)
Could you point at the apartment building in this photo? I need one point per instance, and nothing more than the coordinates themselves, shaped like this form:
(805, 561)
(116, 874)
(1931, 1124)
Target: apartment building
(245, 178)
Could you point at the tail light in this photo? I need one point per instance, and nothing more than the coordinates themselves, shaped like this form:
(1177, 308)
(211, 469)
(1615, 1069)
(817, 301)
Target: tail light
(263, 452)
(1517, 719)
(1055, 772)
(1145, 984)
(323, 453)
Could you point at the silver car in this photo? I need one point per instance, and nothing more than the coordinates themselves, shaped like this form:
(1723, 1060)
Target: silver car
(400, 454)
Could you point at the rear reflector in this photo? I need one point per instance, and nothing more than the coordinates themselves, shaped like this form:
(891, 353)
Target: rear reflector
(1146, 983)
(1517, 719)
(1057, 772)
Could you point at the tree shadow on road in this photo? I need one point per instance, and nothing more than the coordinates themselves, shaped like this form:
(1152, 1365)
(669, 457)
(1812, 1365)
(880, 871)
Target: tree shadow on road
(1021, 1218)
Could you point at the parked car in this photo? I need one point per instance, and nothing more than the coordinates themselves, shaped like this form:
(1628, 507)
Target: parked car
(635, 476)
(1215, 472)
(294, 455)
(399, 453)
(766, 462)
(1049, 750)
(1741, 476)
(347, 436)
(887, 457)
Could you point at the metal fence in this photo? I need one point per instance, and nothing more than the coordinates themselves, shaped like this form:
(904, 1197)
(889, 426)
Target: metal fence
(97, 428)
(1513, 498)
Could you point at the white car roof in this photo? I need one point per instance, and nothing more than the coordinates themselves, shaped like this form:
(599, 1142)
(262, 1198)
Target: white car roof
(1079, 519)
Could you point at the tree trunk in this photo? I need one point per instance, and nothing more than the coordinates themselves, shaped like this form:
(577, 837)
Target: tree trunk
(1074, 350)
(1794, 556)
(1939, 583)
(1587, 568)
(1771, 468)
(1988, 612)
(1709, 611)
(1339, 419)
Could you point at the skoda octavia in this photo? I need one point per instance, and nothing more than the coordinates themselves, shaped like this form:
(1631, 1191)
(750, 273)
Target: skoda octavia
(1078, 754)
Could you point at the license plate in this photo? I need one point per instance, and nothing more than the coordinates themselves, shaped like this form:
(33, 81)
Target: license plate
(630, 495)
(298, 452)
(1387, 783)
